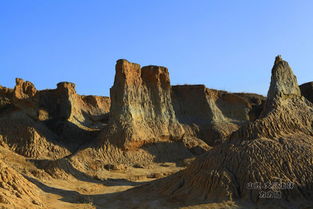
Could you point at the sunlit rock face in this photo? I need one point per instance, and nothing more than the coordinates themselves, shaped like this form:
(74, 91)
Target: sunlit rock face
(142, 109)
(283, 84)
(146, 108)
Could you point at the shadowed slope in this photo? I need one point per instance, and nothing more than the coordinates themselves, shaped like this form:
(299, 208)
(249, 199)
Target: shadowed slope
(307, 91)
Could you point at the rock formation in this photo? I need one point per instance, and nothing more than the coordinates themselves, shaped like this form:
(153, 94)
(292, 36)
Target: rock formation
(259, 160)
(248, 147)
(24, 95)
(62, 103)
(73, 117)
(307, 91)
(283, 85)
(213, 114)
(142, 110)
(146, 108)
(42, 123)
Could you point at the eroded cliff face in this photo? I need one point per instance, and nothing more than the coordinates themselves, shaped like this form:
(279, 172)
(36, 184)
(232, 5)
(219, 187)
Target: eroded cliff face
(49, 123)
(146, 108)
(256, 139)
(275, 148)
(213, 114)
(142, 110)
(60, 103)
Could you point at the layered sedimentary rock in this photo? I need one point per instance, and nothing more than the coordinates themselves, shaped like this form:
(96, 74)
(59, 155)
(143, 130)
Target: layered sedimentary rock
(60, 103)
(146, 108)
(214, 114)
(42, 123)
(142, 110)
(72, 116)
(307, 91)
(262, 149)
(260, 159)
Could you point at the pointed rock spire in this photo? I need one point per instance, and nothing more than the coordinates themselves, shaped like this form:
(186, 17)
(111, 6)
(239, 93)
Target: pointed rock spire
(283, 84)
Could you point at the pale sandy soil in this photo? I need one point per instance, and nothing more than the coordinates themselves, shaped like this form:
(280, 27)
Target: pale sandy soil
(96, 191)
(104, 188)
(73, 193)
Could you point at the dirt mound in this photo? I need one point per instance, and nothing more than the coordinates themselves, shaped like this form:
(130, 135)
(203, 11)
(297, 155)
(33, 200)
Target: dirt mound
(266, 161)
(16, 191)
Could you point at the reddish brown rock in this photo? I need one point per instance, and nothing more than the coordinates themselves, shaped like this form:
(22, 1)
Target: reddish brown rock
(24, 97)
(142, 109)
(24, 89)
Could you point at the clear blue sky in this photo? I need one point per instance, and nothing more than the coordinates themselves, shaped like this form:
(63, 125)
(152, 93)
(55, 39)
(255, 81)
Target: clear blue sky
(227, 45)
